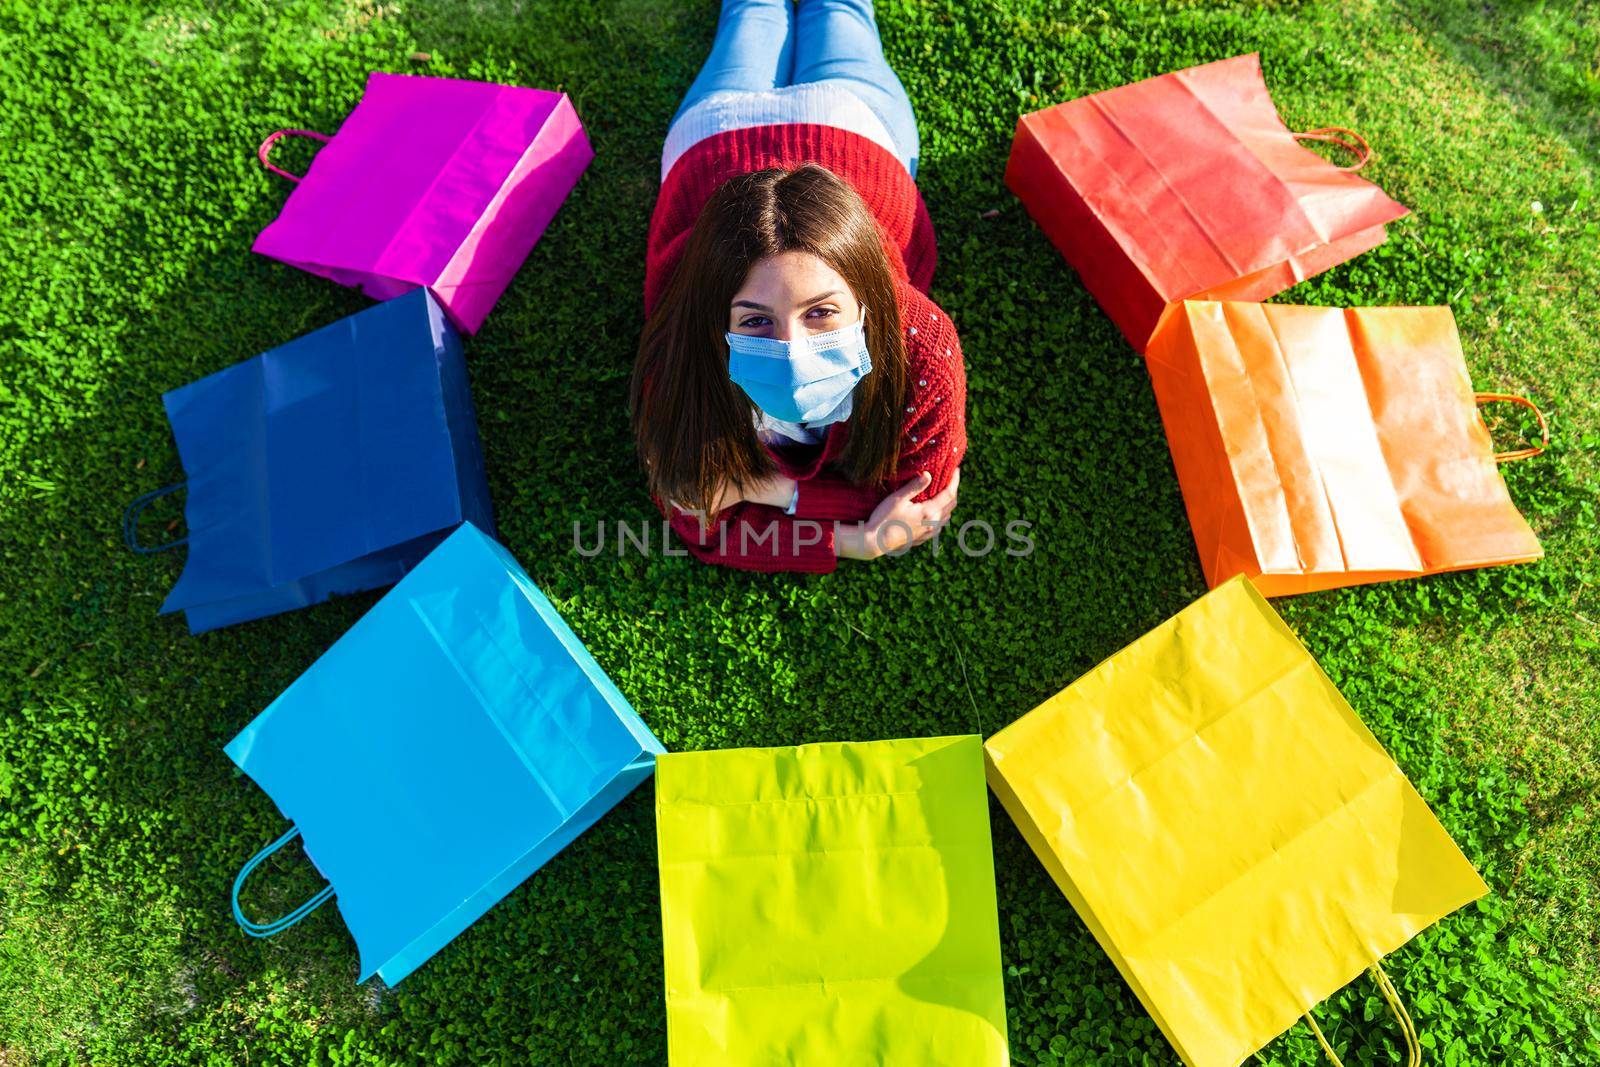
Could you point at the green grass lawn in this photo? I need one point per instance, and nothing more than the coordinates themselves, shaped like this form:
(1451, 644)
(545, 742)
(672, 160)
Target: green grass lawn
(130, 197)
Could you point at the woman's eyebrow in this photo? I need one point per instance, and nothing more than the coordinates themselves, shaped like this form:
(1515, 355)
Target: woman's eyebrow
(804, 303)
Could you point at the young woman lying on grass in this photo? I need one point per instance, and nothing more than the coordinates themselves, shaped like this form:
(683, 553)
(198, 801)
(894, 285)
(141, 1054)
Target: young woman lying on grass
(797, 397)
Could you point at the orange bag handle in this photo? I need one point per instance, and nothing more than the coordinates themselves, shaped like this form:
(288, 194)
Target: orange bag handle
(1345, 138)
(1544, 427)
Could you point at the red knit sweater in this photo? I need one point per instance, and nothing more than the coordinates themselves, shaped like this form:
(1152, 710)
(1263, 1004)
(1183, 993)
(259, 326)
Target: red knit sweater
(759, 537)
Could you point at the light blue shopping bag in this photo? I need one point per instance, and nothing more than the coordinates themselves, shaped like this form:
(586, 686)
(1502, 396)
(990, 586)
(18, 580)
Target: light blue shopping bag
(449, 744)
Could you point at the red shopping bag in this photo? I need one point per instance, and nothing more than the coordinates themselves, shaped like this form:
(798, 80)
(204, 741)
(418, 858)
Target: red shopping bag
(1189, 186)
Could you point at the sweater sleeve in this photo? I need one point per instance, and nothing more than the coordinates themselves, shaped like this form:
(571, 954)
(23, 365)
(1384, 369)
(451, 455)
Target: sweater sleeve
(756, 537)
(933, 437)
(829, 497)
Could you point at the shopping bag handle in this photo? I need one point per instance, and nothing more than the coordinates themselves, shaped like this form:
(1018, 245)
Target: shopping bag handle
(131, 516)
(1397, 1008)
(1544, 427)
(255, 929)
(1345, 138)
(278, 135)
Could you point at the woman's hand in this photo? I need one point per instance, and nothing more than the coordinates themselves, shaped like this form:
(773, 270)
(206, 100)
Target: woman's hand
(898, 522)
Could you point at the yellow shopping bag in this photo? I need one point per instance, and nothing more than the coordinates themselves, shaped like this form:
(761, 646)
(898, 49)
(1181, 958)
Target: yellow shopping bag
(1233, 836)
(830, 905)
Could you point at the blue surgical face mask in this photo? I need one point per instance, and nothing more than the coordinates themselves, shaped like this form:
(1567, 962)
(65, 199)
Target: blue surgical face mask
(801, 380)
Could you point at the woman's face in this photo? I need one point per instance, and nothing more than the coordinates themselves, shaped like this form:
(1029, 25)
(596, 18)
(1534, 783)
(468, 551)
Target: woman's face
(789, 295)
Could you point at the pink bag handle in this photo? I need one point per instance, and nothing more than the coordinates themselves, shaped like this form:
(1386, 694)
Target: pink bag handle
(1348, 139)
(274, 138)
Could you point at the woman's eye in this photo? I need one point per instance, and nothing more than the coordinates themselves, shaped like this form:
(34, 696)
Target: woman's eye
(823, 313)
(754, 322)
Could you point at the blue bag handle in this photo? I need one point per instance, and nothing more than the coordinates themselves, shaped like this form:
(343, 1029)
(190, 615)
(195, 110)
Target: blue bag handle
(130, 521)
(255, 929)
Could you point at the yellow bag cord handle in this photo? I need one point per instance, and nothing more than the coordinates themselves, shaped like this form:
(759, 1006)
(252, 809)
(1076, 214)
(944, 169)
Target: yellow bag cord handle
(1327, 1049)
(1391, 996)
(1544, 427)
(1397, 1006)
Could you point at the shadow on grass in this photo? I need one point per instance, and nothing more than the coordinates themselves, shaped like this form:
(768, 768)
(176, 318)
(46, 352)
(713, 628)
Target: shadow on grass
(1513, 47)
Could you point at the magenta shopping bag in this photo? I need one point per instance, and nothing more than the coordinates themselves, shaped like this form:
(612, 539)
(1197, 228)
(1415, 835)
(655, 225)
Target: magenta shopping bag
(431, 182)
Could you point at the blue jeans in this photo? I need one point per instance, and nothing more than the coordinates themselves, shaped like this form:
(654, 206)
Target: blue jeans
(770, 44)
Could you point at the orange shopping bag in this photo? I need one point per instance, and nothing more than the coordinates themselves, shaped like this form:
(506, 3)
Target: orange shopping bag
(1189, 186)
(1323, 447)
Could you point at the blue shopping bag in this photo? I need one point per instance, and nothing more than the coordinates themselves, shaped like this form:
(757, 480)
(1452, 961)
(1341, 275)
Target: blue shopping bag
(328, 465)
(449, 744)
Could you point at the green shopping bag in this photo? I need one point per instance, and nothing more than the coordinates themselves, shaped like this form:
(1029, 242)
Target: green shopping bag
(830, 905)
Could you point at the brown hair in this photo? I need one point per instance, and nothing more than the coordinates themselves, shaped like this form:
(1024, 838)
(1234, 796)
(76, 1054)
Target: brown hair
(693, 426)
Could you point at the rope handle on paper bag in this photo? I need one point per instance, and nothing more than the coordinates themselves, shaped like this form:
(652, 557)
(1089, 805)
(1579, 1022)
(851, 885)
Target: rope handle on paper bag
(1544, 427)
(255, 929)
(1397, 1008)
(274, 138)
(130, 521)
(1345, 138)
